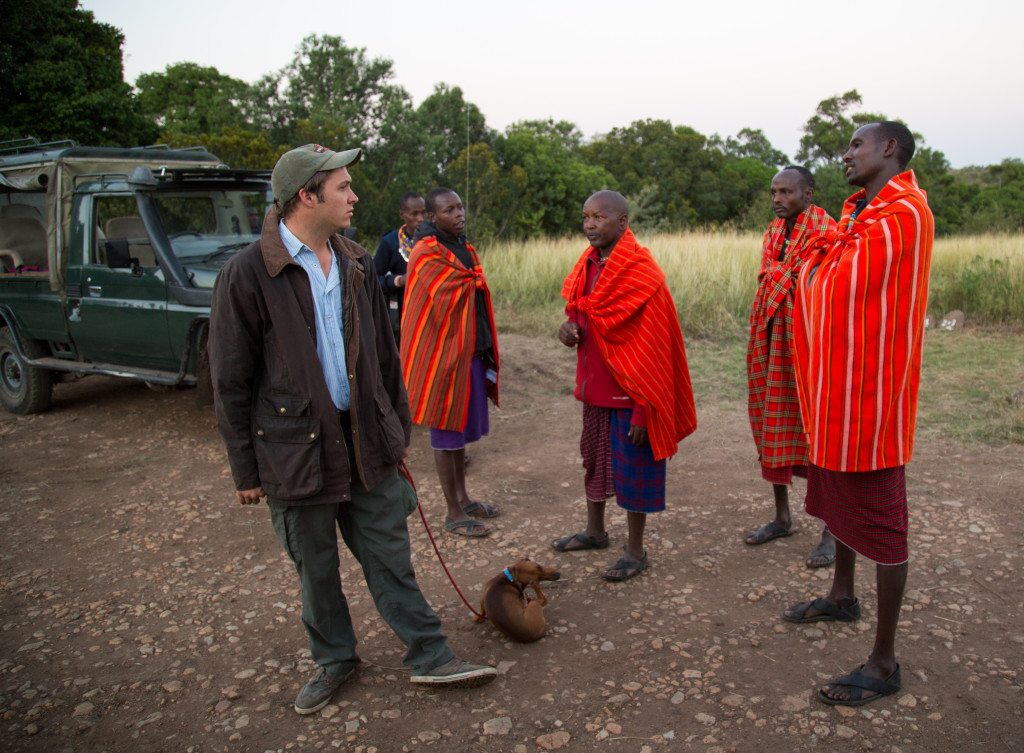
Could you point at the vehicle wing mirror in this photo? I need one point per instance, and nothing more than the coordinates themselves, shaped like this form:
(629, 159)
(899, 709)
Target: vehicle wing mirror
(118, 255)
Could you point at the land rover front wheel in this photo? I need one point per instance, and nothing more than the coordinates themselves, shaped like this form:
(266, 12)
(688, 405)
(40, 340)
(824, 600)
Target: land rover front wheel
(23, 389)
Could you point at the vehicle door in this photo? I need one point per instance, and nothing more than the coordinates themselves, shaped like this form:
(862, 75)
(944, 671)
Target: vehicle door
(121, 316)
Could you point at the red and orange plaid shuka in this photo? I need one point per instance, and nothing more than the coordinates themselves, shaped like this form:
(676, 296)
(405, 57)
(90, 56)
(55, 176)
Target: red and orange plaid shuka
(439, 334)
(773, 404)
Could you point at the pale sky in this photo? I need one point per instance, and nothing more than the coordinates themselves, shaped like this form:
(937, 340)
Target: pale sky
(953, 72)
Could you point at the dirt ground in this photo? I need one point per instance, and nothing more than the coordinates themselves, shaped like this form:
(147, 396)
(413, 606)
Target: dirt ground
(143, 611)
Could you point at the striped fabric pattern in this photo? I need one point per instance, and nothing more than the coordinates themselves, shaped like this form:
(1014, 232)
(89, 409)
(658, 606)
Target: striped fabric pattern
(596, 450)
(439, 334)
(773, 405)
(631, 313)
(859, 328)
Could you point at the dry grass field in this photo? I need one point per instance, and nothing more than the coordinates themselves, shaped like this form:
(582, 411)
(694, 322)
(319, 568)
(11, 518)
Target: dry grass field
(712, 276)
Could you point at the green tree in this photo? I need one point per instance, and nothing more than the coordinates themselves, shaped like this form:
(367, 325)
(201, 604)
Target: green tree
(327, 78)
(62, 77)
(661, 164)
(827, 133)
(998, 203)
(559, 178)
(190, 98)
(493, 195)
(751, 142)
(449, 125)
(831, 189)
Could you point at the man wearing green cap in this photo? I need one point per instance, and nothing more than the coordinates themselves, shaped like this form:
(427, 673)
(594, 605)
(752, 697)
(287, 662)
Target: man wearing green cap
(311, 404)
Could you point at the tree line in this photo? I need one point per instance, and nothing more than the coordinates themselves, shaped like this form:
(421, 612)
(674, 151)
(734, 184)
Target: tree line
(61, 76)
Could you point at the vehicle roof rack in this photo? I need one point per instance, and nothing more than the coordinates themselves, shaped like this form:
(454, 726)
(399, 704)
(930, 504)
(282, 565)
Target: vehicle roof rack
(32, 144)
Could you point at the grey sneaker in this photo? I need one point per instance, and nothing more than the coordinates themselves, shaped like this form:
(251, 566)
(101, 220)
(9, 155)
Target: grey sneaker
(456, 674)
(318, 691)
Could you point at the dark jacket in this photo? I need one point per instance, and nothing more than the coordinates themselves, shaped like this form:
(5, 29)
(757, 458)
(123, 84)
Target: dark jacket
(389, 264)
(273, 407)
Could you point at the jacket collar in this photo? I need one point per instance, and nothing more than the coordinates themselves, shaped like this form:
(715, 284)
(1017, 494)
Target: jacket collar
(276, 256)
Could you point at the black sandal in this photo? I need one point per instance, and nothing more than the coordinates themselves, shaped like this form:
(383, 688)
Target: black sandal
(849, 612)
(768, 532)
(578, 542)
(627, 567)
(481, 510)
(823, 553)
(861, 682)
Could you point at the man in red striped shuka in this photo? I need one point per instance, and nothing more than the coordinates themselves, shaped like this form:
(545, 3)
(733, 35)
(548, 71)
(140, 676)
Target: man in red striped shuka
(859, 326)
(450, 352)
(631, 376)
(772, 403)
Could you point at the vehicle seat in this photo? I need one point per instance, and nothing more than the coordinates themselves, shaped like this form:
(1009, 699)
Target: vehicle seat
(23, 242)
(25, 211)
(133, 230)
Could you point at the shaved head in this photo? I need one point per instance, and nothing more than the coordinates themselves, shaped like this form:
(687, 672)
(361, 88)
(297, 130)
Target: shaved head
(611, 201)
(605, 218)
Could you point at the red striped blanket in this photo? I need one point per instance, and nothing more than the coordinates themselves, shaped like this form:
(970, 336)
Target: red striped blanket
(859, 327)
(439, 334)
(631, 312)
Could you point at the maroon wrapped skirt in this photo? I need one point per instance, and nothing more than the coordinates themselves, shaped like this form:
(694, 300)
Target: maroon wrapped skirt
(866, 510)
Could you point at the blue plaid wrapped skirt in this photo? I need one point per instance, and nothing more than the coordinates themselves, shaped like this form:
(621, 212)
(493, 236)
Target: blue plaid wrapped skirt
(637, 478)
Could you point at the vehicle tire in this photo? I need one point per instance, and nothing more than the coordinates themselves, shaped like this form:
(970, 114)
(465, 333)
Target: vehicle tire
(24, 389)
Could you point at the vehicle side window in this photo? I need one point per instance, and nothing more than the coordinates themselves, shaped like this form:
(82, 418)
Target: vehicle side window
(187, 215)
(118, 224)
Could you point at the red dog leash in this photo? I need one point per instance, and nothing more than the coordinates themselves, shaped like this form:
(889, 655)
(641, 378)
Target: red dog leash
(404, 470)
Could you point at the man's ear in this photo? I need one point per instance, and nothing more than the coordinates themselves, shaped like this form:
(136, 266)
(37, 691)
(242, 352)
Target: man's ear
(889, 150)
(307, 199)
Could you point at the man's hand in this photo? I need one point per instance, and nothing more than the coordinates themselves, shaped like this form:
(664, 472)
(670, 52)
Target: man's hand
(250, 496)
(399, 281)
(638, 434)
(570, 334)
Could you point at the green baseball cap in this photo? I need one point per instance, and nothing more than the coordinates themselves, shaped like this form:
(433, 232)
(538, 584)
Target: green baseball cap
(296, 167)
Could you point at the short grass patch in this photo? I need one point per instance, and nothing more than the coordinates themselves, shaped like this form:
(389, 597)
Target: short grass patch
(972, 386)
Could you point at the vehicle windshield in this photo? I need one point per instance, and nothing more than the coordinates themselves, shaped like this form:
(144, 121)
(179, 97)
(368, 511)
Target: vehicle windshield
(205, 224)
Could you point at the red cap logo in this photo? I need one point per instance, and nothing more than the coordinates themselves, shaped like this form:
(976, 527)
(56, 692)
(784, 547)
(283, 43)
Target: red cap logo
(319, 149)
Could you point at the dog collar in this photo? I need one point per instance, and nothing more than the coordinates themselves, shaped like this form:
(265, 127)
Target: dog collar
(509, 576)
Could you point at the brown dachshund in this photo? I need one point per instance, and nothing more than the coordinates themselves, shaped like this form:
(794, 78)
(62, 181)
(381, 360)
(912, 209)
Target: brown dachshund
(505, 603)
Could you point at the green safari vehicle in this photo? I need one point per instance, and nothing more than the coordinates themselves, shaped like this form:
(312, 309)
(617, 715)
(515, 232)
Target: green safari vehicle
(108, 258)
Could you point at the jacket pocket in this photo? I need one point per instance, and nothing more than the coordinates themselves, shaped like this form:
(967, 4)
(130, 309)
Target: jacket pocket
(284, 405)
(392, 436)
(288, 454)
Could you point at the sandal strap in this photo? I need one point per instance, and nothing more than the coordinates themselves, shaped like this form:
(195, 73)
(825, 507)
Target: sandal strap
(586, 541)
(856, 679)
(629, 566)
(824, 605)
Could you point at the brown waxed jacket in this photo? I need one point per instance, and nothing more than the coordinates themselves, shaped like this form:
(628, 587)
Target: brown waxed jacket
(273, 407)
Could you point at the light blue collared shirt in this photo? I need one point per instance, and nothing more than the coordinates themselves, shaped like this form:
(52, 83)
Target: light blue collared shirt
(330, 327)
